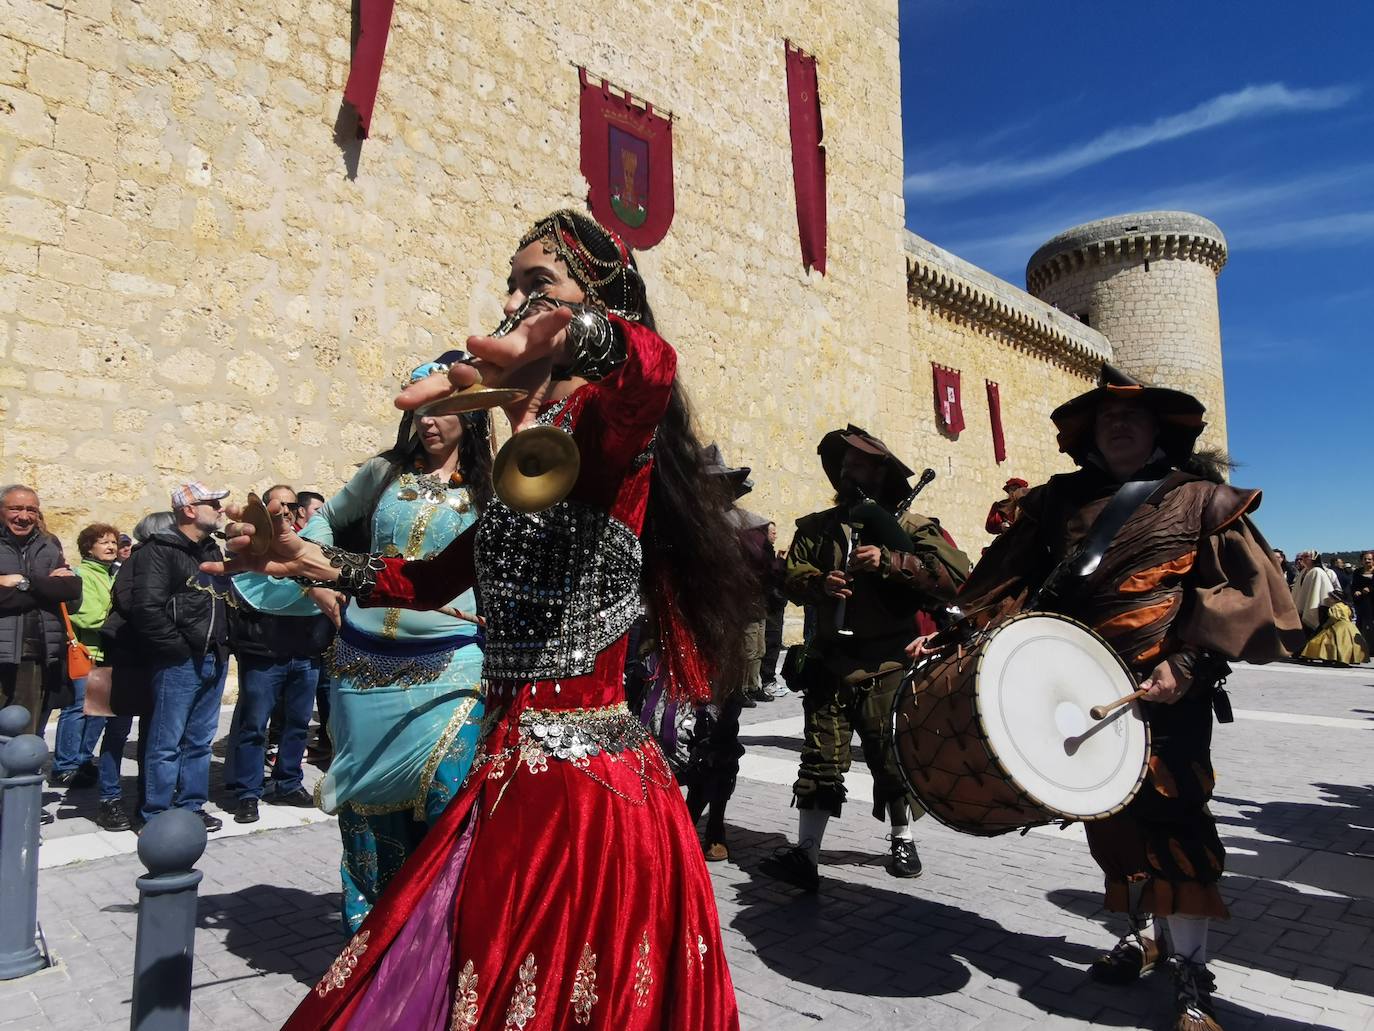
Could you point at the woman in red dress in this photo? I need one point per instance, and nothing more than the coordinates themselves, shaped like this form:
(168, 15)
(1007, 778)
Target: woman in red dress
(564, 887)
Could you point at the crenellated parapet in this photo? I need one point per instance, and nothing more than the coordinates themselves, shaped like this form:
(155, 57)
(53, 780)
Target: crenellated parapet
(968, 294)
(1147, 236)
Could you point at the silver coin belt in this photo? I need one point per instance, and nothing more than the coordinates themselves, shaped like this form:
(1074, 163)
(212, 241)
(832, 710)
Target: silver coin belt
(582, 733)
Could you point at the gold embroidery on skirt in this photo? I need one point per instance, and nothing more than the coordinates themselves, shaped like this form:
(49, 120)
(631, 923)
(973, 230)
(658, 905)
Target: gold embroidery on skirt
(521, 1010)
(644, 979)
(584, 986)
(465, 1000)
(342, 968)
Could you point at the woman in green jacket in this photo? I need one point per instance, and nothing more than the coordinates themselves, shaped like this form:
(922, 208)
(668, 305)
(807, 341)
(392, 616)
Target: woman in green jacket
(78, 734)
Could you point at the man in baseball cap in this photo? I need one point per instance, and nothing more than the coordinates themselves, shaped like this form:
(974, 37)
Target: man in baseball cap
(195, 493)
(180, 617)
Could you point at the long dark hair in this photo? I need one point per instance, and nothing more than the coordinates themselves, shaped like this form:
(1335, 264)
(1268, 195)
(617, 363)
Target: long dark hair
(691, 541)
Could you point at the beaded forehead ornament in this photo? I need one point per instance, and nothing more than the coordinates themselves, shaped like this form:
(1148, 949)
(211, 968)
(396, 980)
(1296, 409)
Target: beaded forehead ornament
(596, 259)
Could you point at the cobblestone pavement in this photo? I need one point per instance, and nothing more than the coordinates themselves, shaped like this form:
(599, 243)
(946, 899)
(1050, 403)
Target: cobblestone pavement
(995, 935)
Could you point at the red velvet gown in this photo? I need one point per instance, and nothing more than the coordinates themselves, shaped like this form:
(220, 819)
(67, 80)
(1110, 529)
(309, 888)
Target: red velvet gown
(564, 887)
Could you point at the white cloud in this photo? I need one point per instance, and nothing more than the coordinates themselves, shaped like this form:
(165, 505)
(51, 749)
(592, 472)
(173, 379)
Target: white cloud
(1251, 102)
(1253, 215)
(1345, 227)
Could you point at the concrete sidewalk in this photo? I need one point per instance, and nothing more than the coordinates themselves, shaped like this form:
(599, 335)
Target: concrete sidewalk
(995, 935)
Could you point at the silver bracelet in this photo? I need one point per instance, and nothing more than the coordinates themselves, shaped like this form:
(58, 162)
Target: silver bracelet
(357, 572)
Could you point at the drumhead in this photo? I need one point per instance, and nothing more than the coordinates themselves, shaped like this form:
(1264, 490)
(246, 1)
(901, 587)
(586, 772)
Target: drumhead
(1038, 676)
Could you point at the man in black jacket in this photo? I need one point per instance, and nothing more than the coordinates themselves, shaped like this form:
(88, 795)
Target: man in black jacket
(181, 617)
(34, 582)
(279, 661)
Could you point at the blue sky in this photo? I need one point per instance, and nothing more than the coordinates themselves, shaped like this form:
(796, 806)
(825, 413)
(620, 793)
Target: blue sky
(1022, 119)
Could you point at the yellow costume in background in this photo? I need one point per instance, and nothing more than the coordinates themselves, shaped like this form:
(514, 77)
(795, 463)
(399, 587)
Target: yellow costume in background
(1339, 640)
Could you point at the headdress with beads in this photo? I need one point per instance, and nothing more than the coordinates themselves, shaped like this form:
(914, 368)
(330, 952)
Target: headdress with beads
(596, 258)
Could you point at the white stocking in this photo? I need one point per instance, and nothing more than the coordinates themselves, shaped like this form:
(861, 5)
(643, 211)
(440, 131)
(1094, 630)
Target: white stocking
(810, 830)
(1188, 937)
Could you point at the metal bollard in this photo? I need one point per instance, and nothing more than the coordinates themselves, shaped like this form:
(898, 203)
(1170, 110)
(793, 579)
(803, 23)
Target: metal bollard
(169, 846)
(13, 720)
(22, 786)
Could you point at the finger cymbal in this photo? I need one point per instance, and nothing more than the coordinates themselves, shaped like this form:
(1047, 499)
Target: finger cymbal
(471, 399)
(255, 514)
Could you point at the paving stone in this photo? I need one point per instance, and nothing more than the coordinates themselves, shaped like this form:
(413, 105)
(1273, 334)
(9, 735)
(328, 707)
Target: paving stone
(996, 935)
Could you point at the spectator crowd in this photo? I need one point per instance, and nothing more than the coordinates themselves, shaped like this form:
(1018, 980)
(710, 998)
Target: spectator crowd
(133, 630)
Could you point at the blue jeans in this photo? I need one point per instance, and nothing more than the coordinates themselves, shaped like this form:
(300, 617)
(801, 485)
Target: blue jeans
(77, 733)
(261, 683)
(180, 731)
(112, 754)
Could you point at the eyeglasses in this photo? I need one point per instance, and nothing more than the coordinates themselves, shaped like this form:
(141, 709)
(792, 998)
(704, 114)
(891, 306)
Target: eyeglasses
(209, 504)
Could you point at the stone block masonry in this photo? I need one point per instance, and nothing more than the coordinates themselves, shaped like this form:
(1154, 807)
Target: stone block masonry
(191, 283)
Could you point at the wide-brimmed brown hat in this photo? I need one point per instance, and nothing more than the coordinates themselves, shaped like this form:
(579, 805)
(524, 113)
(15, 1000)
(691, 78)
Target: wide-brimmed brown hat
(834, 444)
(1179, 415)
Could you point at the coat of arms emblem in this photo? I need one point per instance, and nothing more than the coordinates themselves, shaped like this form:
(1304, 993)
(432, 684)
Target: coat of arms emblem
(627, 158)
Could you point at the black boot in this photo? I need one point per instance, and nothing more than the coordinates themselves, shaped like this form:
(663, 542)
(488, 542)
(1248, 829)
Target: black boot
(1193, 987)
(793, 866)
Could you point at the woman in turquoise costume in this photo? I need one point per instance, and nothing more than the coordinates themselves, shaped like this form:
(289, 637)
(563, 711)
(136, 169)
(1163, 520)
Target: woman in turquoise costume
(405, 686)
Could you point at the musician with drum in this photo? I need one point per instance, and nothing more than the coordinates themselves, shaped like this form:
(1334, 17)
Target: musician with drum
(867, 566)
(1152, 553)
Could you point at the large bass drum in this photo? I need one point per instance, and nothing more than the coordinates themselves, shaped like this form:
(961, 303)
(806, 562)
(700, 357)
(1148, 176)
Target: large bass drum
(997, 737)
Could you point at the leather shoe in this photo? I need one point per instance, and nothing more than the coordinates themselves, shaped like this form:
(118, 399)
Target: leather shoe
(247, 811)
(112, 816)
(296, 796)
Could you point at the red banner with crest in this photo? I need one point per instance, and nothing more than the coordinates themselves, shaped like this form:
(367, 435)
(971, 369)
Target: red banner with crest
(627, 158)
(948, 406)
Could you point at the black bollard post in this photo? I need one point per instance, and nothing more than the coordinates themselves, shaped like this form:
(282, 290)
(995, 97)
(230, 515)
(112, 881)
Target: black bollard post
(169, 846)
(22, 787)
(13, 720)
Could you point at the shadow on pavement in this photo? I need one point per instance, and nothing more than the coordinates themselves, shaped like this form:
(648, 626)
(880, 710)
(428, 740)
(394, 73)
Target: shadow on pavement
(277, 930)
(889, 943)
(1272, 929)
(1341, 822)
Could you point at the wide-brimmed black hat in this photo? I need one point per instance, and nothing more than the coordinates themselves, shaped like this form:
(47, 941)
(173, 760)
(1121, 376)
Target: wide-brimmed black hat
(835, 443)
(1179, 415)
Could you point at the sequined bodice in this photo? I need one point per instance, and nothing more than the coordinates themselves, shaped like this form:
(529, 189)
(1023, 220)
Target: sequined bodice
(557, 588)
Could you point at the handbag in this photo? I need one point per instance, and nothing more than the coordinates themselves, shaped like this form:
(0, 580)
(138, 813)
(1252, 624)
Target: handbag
(79, 661)
(99, 684)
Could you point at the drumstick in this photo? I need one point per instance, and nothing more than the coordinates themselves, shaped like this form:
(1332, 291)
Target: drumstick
(1099, 712)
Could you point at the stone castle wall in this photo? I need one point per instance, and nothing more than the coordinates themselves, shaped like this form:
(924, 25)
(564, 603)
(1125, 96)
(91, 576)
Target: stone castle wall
(962, 317)
(190, 285)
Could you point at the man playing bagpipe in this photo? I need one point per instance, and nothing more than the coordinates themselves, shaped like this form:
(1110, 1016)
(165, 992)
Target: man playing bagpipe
(870, 571)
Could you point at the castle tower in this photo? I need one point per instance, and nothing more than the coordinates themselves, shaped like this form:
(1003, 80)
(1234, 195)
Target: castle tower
(1148, 283)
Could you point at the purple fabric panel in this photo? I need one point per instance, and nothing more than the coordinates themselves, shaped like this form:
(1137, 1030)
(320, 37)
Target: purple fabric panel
(413, 986)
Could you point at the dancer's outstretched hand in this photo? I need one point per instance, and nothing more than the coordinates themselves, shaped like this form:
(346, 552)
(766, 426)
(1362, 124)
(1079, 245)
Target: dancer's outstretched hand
(524, 359)
(287, 555)
(438, 385)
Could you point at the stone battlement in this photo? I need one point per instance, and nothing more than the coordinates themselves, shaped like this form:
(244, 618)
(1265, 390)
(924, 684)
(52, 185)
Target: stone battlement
(1144, 236)
(962, 290)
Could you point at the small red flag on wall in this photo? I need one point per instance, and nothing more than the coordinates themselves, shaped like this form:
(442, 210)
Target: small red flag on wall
(808, 156)
(365, 69)
(999, 442)
(947, 405)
